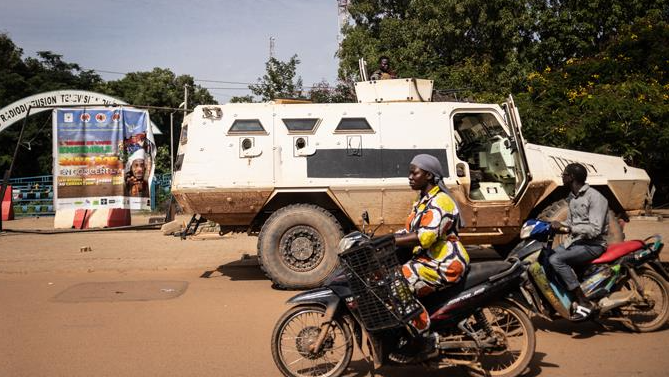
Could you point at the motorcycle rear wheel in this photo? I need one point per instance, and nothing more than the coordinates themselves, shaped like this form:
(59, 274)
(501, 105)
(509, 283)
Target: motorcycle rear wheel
(656, 290)
(516, 330)
(296, 330)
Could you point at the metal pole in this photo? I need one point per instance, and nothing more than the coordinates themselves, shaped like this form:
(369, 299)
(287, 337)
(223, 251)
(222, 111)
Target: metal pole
(172, 143)
(8, 172)
(185, 98)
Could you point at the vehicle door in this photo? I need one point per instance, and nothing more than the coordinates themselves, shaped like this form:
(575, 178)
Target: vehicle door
(409, 129)
(492, 172)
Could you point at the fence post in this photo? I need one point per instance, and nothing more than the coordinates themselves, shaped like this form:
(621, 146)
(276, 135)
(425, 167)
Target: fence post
(153, 194)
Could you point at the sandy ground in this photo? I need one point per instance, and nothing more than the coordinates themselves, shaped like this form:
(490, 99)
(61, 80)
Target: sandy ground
(194, 308)
(150, 250)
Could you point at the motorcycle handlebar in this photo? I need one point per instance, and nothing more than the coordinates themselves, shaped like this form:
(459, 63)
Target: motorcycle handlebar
(508, 272)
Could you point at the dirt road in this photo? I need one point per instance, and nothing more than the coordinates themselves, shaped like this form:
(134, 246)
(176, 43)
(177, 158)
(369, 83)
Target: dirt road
(142, 304)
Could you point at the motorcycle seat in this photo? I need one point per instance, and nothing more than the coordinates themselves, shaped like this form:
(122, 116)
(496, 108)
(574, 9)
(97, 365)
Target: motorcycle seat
(617, 250)
(476, 274)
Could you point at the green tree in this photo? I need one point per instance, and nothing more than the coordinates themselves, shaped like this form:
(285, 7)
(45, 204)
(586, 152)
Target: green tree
(476, 44)
(158, 87)
(614, 102)
(48, 71)
(486, 46)
(279, 80)
(242, 99)
(162, 159)
(587, 75)
(20, 78)
(323, 92)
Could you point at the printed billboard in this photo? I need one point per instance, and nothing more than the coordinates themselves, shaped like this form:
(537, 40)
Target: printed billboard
(103, 158)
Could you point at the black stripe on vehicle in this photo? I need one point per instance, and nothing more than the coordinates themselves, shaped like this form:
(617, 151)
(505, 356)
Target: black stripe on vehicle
(367, 163)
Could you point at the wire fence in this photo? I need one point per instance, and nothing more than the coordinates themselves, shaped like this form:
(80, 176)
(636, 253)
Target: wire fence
(33, 196)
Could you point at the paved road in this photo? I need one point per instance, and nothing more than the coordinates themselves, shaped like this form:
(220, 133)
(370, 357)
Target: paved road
(59, 319)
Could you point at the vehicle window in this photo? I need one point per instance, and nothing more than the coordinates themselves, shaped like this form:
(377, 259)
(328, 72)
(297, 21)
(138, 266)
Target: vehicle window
(241, 126)
(300, 124)
(353, 124)
(482, 142)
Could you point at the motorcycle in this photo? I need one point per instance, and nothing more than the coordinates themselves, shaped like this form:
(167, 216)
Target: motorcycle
(627, 283)
(479, 323)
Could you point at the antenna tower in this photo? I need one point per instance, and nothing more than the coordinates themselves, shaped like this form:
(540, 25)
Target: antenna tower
(342, 12)
(271, 47)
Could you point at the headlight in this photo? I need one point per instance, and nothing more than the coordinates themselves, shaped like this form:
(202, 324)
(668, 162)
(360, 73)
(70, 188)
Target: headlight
(345, 244)
(350, 240)
(526, 230)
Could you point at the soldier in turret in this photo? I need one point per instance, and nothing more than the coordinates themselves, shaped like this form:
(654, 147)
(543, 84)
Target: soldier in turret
(384, 72)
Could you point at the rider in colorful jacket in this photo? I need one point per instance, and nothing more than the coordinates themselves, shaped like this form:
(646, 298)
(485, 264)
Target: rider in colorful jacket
(438, 258)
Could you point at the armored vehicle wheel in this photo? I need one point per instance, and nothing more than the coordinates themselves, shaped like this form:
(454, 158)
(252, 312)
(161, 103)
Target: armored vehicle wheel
(297, 246)
(558, 212)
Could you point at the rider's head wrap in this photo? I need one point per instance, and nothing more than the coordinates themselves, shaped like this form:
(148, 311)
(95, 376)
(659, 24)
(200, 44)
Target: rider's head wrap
(431, 164)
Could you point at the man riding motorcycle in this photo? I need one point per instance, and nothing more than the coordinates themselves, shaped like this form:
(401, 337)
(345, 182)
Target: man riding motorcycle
(586, 228)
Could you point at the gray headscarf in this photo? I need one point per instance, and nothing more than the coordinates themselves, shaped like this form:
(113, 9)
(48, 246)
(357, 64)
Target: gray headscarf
(432, 165)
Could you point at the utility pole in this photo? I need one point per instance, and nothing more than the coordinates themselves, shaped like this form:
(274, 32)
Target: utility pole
(185, 98)
(271, 47)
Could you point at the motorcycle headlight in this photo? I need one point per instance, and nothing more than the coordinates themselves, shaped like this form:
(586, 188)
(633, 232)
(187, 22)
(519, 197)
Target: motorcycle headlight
(345, 244)
(526, 231)
(350, 240)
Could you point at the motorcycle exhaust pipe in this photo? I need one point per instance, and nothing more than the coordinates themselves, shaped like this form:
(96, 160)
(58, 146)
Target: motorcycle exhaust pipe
(615, 300)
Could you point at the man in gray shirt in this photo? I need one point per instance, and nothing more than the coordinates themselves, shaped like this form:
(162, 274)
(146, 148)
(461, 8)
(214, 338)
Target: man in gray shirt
(586, 227)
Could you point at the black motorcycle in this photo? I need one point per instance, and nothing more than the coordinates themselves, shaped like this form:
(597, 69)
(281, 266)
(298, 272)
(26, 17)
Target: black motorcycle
(479, 323)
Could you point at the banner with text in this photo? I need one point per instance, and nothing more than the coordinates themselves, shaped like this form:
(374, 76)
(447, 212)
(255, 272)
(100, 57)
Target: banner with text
(103, 158)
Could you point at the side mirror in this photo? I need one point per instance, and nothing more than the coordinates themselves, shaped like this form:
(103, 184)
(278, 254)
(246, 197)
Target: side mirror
(461, 170)
(511, 145)
(365, 218)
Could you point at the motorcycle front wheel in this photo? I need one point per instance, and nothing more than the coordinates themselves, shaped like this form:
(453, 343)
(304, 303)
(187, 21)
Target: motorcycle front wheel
(654, 312)
(297, 330)
(516, 338)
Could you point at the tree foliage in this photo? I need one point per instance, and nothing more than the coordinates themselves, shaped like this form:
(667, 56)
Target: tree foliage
(484, 45)
(242, 99)
(587, 75)
(21, 77)
(159, 87)
(323, 92)
(279, 80)
(614, 102)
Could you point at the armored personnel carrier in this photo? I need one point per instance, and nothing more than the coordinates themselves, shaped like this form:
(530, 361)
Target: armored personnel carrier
(298, 175)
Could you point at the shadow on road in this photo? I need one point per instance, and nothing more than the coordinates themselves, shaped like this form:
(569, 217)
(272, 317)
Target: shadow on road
(361, 368)
(246, 268)
(583, 330)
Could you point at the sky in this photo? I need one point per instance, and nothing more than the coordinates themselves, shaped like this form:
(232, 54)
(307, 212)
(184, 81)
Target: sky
(224, 40)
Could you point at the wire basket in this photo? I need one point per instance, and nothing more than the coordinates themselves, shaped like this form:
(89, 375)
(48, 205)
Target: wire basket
(380, 291)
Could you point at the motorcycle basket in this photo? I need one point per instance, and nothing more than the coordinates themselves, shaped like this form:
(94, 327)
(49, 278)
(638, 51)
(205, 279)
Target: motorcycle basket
(380, 291)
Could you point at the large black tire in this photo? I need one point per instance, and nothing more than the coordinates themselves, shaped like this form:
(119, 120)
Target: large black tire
(296, 330)
(297, 246)
(512, 324)
(558, 212)
(656, 290)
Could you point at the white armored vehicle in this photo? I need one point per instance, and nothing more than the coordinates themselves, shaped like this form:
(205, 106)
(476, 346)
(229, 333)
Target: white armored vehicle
(299, 175)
